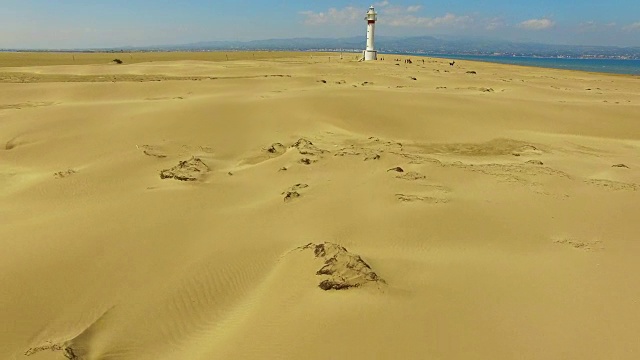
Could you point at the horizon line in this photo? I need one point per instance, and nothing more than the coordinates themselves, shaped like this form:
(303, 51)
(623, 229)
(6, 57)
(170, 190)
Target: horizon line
(193, 43)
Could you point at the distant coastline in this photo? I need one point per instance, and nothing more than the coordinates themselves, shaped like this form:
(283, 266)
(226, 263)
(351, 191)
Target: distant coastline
(606, 65)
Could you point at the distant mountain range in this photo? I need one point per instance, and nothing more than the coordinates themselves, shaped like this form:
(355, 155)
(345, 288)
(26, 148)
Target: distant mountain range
(420, 45)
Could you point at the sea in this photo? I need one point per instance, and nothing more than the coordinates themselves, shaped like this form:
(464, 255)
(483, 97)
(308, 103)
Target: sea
(614, 66)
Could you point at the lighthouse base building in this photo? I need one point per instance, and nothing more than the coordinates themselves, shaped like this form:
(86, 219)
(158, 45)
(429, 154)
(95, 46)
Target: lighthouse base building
(370, 55)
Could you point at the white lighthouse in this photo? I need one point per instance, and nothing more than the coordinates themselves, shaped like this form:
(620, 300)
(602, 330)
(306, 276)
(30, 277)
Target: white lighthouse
(370, 53)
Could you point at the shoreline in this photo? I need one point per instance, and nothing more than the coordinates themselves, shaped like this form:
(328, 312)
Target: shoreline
(494, 60)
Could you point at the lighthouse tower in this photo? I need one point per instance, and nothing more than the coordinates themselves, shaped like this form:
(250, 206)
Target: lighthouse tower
(370, 53)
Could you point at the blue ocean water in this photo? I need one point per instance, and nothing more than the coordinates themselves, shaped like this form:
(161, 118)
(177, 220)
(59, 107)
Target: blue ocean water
(614, 66)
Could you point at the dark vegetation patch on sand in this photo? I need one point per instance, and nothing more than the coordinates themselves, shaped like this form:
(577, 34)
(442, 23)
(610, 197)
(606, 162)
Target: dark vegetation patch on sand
(341, 269)
(188, 170)
(293, 192)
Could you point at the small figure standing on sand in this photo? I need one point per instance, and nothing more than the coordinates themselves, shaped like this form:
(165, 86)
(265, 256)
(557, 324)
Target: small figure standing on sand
(452, 63)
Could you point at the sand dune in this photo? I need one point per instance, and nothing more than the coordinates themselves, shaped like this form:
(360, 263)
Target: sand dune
(295, 206)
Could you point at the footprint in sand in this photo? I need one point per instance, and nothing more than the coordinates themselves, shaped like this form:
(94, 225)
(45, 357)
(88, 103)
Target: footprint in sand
(307, 161)
(152, 151)
(67, 351)
(411, 176)
(370, 149)
(372, 156)
(350, 151)
(418, 159)
(292, 192)
(276, 149)
(429, 193)
(480, 89)
(410, 198)
(172, 149)
(578, 244)
(534, 162)
(267, 153)
(165, 98)
(407, 175)
(13, 143)
(613, 185)
(526, 150)
(519, 173)
(193, 169)
(64, 174)
(302, 145)
(490, 148)
(191, 149)
(25, 105)
(620, 166)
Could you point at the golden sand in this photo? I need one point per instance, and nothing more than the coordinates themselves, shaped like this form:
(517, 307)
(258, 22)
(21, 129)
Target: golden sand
(297, 206)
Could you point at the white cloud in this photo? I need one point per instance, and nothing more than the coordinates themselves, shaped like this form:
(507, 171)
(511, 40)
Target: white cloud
(537, 24)
(593, 26)
(494, 24)
(633, 27)
(588, 26)
(346, 15)
(429, 22)
(395, 10)
(390, 15)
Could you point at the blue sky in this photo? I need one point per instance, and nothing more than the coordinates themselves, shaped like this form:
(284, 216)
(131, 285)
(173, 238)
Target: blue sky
(77, 23)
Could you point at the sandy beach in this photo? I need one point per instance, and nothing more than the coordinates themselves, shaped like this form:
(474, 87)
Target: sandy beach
(303, 206)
